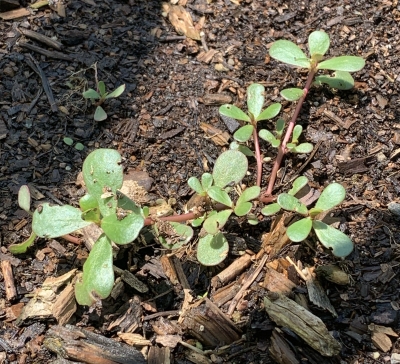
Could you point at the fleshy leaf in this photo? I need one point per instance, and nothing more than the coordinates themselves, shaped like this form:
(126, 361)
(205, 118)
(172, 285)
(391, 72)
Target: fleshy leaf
(297, 130)
(103, 176)
(298, 184)
(79, 146)
(175, 236)
(244, 133)
(292, 94)
(340, 80)
(100, 114)
(195, 185)
(241, 148)
(91, 94)
(97, 280)
(24, 198)
(271, 209)
(314, 212)
(280, 126)
(234, 112)
(230, 166)
(206, 180)
(88, 202)
(243, 208)
(249, 194)
(331, 196)
(68, 141)
(333, 239)
(22, 247)
(122, 230)
(343, 63)
(117, 92)
(219, 195)
(197, 222)
(288, 52)
(302, 148)
(270, 112)
(291, 203)
(212, 249)
(216, 222)
(267, 136)
(299, 230)
(255, 99)
(54, 221)
(318, 43)
(101, 86)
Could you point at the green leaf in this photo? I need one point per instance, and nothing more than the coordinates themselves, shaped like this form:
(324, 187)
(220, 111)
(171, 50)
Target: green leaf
(318, 43)
(270, 112)
(22, 247)
(175, 236)
(68, 141)
(230, 166)
(101, 86)
(241, 148)
(302, 148)
(103, 176)
(98, 275)
(206, 180)
(331, 196)
(125, 203)
(299, 230)
(117, 92)
(79, 146)
(255, 99)
(54, 221)
(244, 133)
(216, 222)
(268, 136)
(292, 94)
(333, 239)
(288, 52)
(280, 126)
(212, 249)
(297, 130)
(252, 220)
(249, 194)
(271, 209)
(343, 63)
(298, 184)
(88, 202)
(100, 114)
(195, 185)
(91, 94)
(243, 208)
(313, 212)
(197, 222)
(122, 230)
(24, 198)
(234, 112)
(219, 195)
(340, 80)
(92, 215)
(291, 203)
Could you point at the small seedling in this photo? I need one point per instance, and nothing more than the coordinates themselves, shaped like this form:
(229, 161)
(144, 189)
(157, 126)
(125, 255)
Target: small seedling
(70, 142)
(100, 96)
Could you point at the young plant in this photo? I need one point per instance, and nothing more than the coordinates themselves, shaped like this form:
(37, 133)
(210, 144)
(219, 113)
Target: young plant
(100, 96)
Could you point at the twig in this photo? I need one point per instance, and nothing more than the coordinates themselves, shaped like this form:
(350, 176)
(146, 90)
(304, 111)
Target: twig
(41, 38)
(11, 291)
(45, 52)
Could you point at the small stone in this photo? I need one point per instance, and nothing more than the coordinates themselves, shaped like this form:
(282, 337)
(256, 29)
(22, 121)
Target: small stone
(8, 71)
(394, 208)
(381, 157)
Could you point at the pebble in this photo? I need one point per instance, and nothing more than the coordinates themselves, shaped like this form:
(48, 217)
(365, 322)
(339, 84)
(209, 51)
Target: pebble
(394, 208)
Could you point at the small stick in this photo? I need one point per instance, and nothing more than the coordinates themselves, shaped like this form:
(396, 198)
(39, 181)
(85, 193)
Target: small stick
(11, 291)
(45, 52)
(41, 38)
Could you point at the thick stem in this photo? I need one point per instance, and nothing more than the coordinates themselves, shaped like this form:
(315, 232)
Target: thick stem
(282, 148)
(257, 155)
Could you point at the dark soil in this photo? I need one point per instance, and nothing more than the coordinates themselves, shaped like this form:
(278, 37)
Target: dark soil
(155, 125)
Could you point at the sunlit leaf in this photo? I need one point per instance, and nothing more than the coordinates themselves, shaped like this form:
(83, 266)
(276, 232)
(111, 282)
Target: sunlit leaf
(271, 209)
(298, 184)
(216, 221)
(331, 196)
(297, 130)
(117, 92)
(197, 222)
(22, 247)
(206, 180)
(122, 230)
(230, 166)
(288, 52)
(291, 203)
(234, 112)
(267, 136)
(340, 80)
(249, 194)
(270, 112)
(333, 239)
(100, 114)
(91, 94)
(343, 63)
(292, 94)
(88, 202)
(299, 230)
(219, 195)
(195, 185)
(244, 133)
(318, 43)
(212, 249)
(24, 198)
(243, 208)
(302, 148)
(255, 99)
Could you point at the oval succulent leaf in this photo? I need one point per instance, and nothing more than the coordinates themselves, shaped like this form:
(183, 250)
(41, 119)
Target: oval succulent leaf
(318, 43)
(245, 150)
(302, 148)
(101, 86)
(333, 239)
(331, 196)
(219, 195)
(299, 230)
(54, 221)
(212, 249)
(117, 92)
(298, 184)
(270, 112)
(340, 80)
(244, 133)
(288, 52)
(243, 208)
(91, 94)
(234, 112)
(267, 136)
(68, 141)
(206, 180)
(280, 126)
(100, 114)
(195, 185)
(216, 221)
(122, 230)
(343, 63)
(98, 274)
(24, 198)
(291, 203)
(255, 99)
(297, 130)
(249, 194)
(292, 94)
(87, 202)
(230, 166)
(271, 209)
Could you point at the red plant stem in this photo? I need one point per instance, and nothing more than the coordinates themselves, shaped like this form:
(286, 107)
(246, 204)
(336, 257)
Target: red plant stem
(266, 197)
(72, 239)
(174, 218)
(257, 155)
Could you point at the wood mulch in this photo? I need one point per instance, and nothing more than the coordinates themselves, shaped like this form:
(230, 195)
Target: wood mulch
(167, 307)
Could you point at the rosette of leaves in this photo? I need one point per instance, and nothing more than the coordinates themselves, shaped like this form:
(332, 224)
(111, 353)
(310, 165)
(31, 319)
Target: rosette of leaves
(333, 239)
(318, 44)
(229, 169)
(100, 96)
(255, 113)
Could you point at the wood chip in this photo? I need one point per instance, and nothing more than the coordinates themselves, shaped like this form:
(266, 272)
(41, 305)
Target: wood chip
(182, 21)
(216, 99)
(381, 341)
(15, 14)
(218, 136)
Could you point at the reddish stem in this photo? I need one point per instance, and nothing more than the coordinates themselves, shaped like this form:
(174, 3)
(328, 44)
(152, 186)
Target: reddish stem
(72, 239)
(257, 155)
(266, 197)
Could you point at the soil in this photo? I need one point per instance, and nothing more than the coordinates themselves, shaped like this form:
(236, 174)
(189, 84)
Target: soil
(172, 93)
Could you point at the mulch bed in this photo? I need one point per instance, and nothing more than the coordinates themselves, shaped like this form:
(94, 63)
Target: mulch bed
(161, 125)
